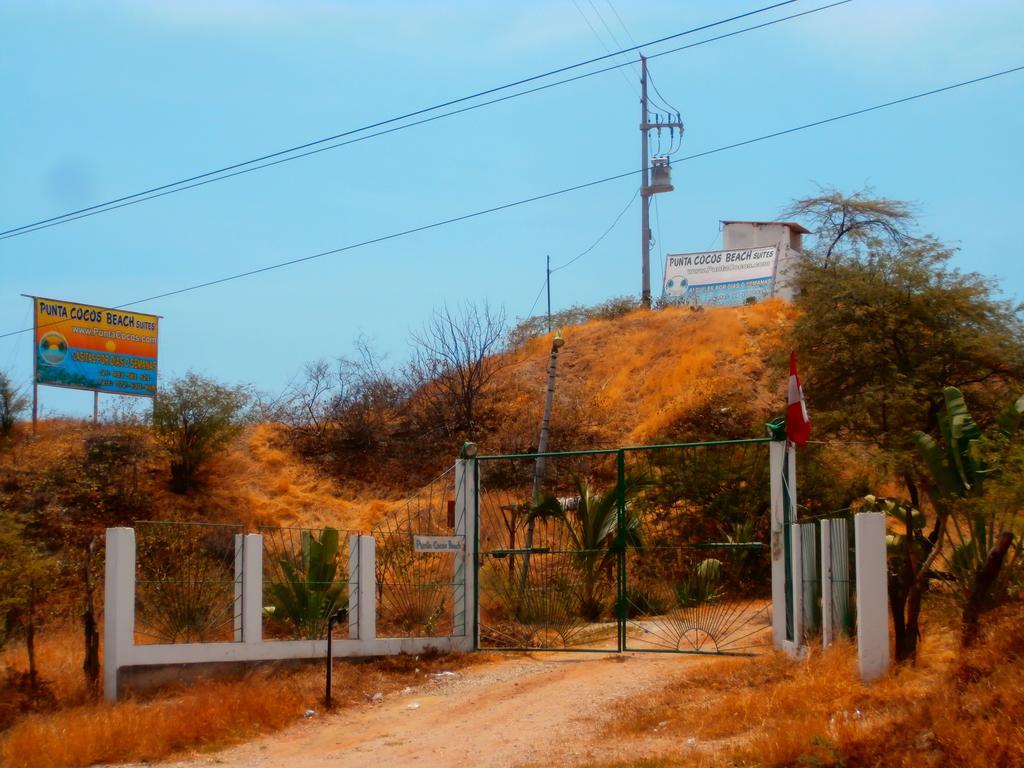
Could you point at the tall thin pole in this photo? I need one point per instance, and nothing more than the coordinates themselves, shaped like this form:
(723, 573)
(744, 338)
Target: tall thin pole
(35, 365)
(538, 463)
(549, 292)
(645, 198)
(95, 407)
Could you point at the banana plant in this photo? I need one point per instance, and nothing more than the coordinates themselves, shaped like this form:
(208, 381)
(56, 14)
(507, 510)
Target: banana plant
(956, 466)
(958, 472)
(306, 591)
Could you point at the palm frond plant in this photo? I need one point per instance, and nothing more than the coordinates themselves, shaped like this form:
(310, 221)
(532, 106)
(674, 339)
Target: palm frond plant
(592, 524)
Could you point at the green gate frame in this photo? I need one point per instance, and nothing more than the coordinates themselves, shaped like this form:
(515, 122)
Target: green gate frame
(619, 544)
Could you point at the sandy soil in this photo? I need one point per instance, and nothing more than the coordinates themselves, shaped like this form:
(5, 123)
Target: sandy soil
(517, 710)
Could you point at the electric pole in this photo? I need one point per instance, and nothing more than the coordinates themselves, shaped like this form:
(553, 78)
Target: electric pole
(662, 182)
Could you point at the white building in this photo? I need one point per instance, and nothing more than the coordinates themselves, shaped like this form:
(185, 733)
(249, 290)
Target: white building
(785, 236)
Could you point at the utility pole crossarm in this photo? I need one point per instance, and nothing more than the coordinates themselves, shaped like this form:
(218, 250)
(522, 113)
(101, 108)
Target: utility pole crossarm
(662, 179)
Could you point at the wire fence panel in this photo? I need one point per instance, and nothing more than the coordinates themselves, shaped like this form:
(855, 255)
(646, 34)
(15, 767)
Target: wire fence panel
(548, 575)
(188, 583)
(416, 589)
(305, 580)
(698, 576)
(657, 548)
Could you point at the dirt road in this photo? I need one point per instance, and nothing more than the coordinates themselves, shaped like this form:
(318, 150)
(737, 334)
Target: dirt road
(518, 710)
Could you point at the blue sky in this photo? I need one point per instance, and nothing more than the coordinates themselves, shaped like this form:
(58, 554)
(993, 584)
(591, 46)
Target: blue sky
(103, 99)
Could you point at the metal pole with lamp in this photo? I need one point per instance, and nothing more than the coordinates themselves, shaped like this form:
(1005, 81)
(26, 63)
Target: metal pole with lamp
(337, 616)
(538, 467)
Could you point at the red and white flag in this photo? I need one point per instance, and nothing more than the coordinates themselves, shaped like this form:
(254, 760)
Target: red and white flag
(798, 423)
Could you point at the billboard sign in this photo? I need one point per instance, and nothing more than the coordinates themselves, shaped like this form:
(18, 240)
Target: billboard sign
(82, 346)
(720, 278)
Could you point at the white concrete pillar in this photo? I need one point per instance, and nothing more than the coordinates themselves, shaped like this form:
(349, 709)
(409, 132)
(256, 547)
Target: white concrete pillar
(464, 569)
(118, 606)
(362, 588)
(872, 595)
(782, 466)
(826, 583)
(252, 589)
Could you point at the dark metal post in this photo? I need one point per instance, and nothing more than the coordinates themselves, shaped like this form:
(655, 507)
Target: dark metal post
(339, 615)
(330, 662)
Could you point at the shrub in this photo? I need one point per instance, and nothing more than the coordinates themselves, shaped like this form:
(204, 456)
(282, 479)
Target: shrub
(193, 418)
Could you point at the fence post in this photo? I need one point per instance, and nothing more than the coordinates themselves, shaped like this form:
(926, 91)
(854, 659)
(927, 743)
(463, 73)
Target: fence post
(776, 451)
(118, 606)
(362, 588)
(811, 581)
(872, 595)
(464, 569)
(237, 607)
(787, 575)
(826, 583)
(797, 579)
(252, 588)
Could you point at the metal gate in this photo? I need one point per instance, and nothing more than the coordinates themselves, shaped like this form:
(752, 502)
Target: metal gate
(651, 548)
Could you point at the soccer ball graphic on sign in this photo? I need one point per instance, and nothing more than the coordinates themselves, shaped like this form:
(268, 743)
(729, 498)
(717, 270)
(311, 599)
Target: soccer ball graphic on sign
(676, 286)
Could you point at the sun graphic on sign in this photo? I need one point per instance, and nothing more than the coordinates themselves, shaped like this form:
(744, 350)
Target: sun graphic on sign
(111, 346)
(53, 348)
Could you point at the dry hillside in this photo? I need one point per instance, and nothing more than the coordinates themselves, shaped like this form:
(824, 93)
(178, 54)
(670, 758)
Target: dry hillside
(674, 374)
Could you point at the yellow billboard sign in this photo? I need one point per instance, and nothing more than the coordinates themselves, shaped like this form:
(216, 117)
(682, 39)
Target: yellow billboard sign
(82, 346)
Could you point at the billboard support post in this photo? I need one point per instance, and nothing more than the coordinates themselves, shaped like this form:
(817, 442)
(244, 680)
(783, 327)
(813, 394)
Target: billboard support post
(92, 348)
(35, 367)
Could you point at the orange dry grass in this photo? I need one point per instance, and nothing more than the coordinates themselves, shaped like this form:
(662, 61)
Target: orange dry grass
(207, 715)
(640, 373)
(256, 481)
(949, 709)
(59, 652)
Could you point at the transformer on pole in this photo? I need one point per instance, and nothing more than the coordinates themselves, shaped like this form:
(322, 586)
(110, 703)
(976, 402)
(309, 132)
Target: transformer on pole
(656, 175)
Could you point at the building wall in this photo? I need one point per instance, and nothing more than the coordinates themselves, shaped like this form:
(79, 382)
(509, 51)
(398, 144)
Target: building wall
(789, 242)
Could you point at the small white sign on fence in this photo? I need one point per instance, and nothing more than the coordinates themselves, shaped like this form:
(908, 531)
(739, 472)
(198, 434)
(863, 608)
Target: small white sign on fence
(437, 543)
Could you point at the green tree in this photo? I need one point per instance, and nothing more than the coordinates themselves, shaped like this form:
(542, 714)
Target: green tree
(887, 323)
(27, 573)
(193, 418)
(12, 405)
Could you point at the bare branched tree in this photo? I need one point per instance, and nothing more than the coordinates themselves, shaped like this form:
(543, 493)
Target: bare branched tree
(454, 362)
(853, 224)
(345, 408)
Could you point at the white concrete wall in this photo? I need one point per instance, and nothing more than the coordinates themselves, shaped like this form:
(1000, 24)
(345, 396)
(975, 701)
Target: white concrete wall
(744, 234)
(121, 651)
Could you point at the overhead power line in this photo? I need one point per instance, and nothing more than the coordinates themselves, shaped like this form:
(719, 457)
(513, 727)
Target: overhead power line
(285, 155)
(556, 193)
(604, 234)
